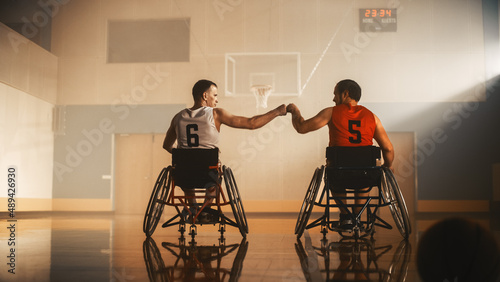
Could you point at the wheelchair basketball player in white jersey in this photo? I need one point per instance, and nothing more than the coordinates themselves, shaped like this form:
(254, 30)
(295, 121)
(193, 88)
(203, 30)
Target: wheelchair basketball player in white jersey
(199, 126)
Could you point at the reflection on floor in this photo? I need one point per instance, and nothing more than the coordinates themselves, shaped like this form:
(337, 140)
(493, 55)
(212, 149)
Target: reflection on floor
(193, 261)
(106, 247)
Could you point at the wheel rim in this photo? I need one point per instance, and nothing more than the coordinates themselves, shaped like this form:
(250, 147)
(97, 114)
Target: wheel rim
(403, 210)
(396, 203)
(153, 260)
(235, 201)
(400, 261)
(305, 205)
(308, 204)
(157, 202)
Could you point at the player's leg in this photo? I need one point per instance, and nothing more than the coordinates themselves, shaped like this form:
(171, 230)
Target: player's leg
(190, 197)
(345, 220)
(360, 201)
(210, 194)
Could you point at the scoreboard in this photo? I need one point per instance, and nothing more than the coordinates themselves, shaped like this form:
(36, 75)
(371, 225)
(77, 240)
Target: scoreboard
(378, 20)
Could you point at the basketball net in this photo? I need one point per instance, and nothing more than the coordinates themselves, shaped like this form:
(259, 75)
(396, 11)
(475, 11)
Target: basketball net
(261, 93)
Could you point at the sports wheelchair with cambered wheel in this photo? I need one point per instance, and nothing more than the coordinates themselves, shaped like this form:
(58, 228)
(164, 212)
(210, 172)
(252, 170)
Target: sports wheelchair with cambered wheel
(195, 171)
(350, 171)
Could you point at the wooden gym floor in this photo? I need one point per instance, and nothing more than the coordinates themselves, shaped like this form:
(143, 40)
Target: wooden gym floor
(107, 247)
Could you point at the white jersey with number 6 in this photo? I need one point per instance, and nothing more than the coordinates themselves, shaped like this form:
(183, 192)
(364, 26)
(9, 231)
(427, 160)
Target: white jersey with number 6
(196, 129)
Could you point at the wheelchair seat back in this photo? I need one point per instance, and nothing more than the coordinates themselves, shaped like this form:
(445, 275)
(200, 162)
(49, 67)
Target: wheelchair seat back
(353, 167)
(195, 168)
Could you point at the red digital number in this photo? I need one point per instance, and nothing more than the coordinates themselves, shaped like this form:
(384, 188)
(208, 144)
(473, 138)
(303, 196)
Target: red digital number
(373, 13)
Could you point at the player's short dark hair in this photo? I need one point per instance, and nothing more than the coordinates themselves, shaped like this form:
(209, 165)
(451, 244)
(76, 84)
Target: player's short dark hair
(200, 87)
(352, 88)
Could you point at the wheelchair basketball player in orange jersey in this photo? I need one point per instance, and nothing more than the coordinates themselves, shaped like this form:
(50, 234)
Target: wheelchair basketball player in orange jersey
(349, 124)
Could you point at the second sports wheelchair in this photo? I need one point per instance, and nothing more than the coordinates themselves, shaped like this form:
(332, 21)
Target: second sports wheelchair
(350, 170)
(195, 171)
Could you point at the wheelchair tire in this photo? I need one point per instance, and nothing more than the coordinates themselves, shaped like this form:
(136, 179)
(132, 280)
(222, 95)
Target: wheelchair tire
(235, 201)
(238, 260)
(154, 262)
(308, 203)
(157, 201)
(397, 204)
(398, 268)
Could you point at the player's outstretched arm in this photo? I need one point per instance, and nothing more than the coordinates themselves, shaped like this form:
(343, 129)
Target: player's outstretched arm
(304, 126)
(224, 117)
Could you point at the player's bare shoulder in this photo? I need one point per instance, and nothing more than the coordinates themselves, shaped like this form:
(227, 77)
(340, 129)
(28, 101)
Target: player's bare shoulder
(220, 117)
(326, 113)
(220, 113)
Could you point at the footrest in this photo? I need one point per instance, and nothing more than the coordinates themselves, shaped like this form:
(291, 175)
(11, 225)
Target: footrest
(211, 211)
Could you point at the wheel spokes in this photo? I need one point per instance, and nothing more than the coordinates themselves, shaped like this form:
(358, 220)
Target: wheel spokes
(396, 202)
(235, 201)
(157, 201)
(309, 200)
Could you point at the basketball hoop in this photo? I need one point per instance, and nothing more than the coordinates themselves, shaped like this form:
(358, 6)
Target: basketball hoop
(261, 93)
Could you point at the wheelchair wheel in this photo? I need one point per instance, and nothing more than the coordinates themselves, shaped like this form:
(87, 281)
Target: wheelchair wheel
(235, 201)
(238, 261)
(397, 205)
(154, 262)
(308, 203)
(398, 268)
(157, 201)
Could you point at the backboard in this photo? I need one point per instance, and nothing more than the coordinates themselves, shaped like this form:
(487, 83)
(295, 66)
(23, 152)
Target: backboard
(279, 70)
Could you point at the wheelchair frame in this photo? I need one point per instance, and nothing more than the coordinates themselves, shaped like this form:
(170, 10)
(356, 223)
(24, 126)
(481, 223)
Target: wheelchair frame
(164, 194)
(389, 194)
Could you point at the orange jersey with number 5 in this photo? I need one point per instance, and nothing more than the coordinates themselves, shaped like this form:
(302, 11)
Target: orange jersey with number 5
(352, 126)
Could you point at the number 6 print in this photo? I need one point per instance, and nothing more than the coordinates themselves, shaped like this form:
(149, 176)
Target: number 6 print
(193, 140)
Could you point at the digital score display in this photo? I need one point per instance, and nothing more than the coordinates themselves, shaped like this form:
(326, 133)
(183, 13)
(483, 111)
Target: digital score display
(378, 20)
